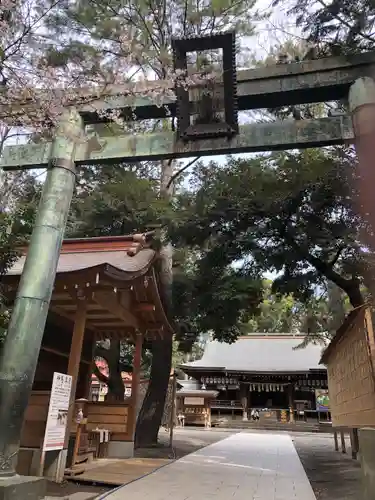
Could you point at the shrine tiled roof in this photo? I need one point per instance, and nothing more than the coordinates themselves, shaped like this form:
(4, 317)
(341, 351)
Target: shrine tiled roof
(117, 275)
(259, 354)
(129, 254)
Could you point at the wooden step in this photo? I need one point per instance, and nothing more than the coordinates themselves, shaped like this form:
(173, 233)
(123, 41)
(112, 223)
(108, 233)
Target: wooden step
(277, 426)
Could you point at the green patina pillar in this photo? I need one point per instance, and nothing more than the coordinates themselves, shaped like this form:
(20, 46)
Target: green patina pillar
(362, 108)
(25, 332)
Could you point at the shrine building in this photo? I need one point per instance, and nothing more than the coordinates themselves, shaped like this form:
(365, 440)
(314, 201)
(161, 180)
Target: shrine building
(105, 288)
(264, 372)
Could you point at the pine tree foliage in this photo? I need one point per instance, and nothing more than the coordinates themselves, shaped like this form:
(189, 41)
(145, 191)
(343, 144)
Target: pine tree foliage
(334, 27)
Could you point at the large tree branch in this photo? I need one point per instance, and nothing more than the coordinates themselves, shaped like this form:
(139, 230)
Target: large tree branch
(350, 286)
(326, 270)
(337, 256)
(179, 172)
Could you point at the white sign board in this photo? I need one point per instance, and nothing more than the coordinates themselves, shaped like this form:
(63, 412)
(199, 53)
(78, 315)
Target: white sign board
(128, 392)
(57, 419)
(194, 401)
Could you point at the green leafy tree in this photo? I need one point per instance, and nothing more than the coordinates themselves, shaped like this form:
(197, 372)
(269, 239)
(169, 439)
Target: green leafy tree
(290, 213)
(277, 313)
(318, 317)
(322, 315)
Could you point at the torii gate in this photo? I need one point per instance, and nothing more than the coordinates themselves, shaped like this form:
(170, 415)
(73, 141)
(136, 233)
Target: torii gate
(296, 83)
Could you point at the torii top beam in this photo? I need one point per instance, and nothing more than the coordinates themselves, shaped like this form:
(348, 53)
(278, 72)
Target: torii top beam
(271, 86)
(319, 80)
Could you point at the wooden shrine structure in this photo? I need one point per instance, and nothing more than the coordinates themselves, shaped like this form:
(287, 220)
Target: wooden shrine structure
(263, 372)
(350, 361)
(194, 403)
(105, 288)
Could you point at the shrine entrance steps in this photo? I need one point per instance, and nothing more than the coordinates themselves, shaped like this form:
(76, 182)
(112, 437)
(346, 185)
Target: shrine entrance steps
(255, 466)
(274, 426)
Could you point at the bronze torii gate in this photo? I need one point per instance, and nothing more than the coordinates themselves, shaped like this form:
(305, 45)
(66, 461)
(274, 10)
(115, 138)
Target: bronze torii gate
(321, 80)
(295, 83)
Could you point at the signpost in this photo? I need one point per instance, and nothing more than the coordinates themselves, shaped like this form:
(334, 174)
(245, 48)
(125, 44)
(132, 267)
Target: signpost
(57, 419)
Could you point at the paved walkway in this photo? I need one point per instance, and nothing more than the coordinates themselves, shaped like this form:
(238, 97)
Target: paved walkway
(251, 466)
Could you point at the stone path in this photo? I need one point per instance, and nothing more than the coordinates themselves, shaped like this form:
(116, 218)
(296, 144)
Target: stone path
(252, 466)
(76, 496)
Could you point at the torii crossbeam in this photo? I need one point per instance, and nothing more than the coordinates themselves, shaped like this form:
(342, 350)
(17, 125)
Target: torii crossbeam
(278, 85)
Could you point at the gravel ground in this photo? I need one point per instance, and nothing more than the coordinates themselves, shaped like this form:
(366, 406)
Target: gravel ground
(333, 475)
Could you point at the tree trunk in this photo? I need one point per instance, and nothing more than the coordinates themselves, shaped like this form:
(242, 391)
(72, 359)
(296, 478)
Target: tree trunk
(116, 389)
(354, 293)
(151, 413)
(336, 306)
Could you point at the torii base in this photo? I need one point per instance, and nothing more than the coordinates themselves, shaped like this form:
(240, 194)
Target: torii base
(23, 488)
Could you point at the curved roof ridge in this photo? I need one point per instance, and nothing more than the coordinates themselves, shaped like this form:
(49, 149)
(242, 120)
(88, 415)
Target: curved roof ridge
(119, 259)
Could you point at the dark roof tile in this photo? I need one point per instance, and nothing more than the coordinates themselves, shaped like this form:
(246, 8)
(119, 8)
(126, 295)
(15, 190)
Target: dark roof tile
(260, 354)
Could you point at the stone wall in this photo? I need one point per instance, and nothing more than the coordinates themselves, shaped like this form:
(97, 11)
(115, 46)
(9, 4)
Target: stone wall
(351, 378)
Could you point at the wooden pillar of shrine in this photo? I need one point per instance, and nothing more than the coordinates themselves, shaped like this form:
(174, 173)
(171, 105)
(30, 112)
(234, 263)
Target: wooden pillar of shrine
(73, 370)
(291, 402)
(90, 371)
(136, 378)
(244, 390)
(54, 467)
(77, 344)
